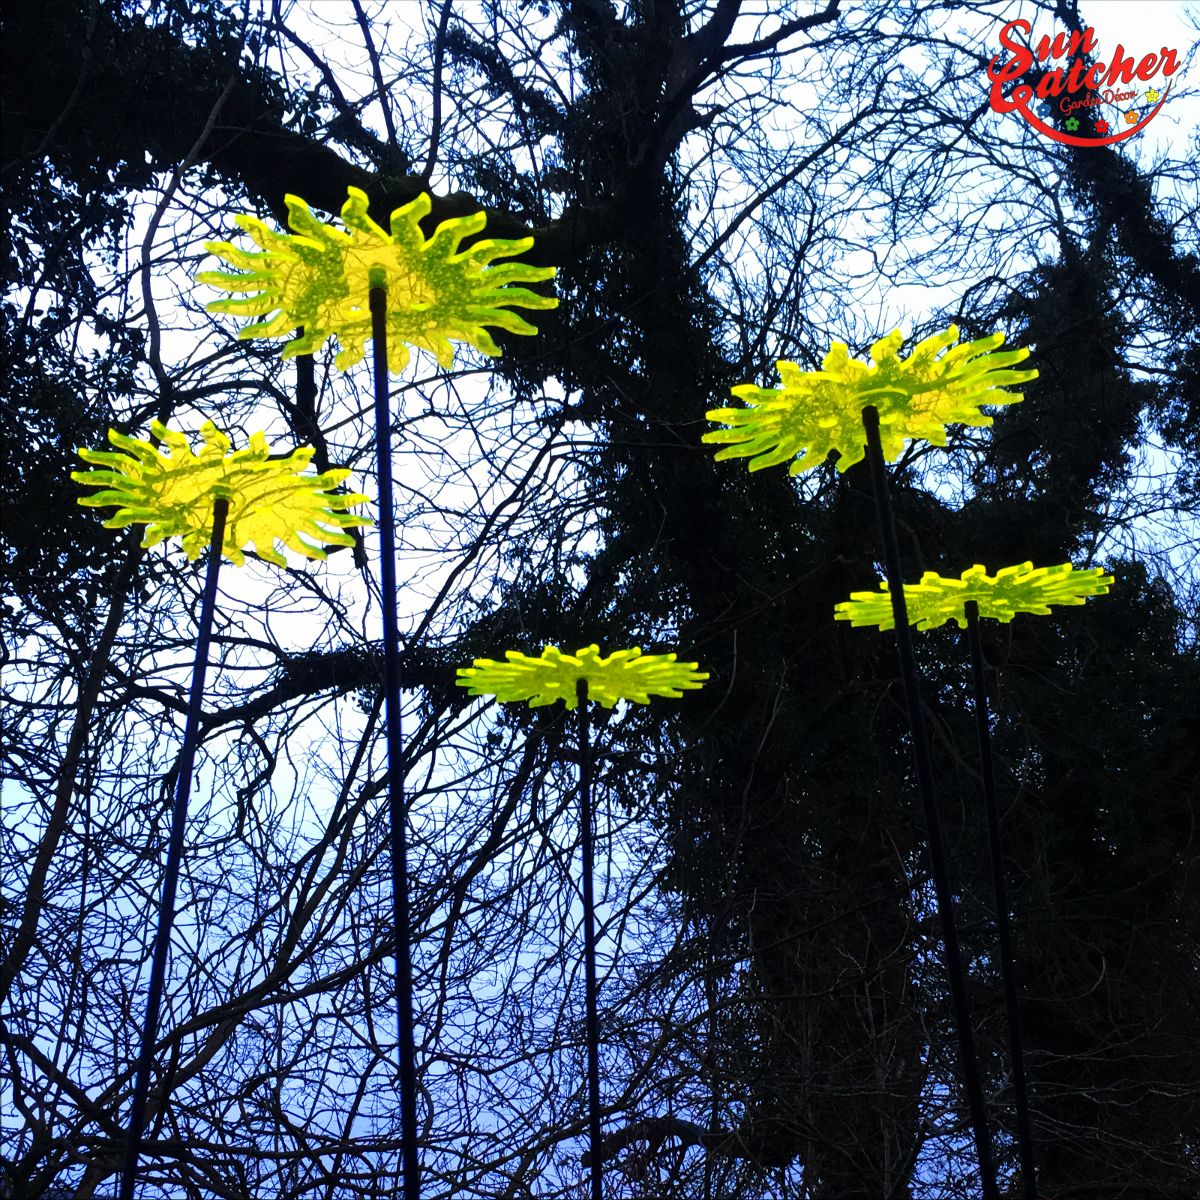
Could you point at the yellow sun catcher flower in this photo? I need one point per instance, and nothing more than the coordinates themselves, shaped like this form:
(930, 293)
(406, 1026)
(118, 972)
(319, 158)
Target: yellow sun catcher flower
(819, 411)
(172, 492)
(623, 675)
(320, 280)
(936, 600)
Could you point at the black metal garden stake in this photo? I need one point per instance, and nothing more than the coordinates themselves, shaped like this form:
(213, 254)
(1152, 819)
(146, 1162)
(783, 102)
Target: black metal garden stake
(625, 674)
(933, 825)
(166, 907)
(391, 667)
(589, 940)
(996, 853)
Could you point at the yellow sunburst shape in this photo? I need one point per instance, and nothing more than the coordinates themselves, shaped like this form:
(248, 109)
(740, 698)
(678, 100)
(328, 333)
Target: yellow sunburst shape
(320, 278)
(171, 491)
(936, 600)
(816, 412)
(623, 675)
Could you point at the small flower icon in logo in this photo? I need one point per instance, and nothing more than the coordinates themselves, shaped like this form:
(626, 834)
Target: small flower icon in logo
(1044, 108)
(1072, 124)
(1101, 126)
(1131, 117)
(1152, 95)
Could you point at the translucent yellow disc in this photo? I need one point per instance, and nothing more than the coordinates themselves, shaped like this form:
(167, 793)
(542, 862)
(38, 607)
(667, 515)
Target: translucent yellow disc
(171, 491)
(623, 675)
(936, 600)
(816, 412)
(319, 279)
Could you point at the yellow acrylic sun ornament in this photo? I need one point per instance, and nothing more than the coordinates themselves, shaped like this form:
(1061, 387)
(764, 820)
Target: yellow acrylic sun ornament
(171, 491)
(936, 600)
(320, 278)
(816, 412)
(623, 675)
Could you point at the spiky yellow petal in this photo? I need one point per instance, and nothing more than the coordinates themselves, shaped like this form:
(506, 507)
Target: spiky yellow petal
(171, 491)
(623, 675)
(319, 279)
(936, 600)
(815, 412)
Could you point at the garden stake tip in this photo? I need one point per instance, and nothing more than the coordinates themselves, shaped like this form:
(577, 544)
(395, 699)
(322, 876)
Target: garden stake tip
(937, 600)
(273, 501)
(816, 412)
(315, 281)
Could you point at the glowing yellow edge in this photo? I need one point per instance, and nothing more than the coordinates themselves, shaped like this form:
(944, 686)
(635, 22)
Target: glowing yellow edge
(936, 600)
(320, 278)
(171, 491)
(623, 675)
(816, 412)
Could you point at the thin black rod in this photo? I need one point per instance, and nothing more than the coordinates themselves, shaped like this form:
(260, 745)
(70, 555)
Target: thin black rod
(996, 852)
(589, 940)
(969, 1059)
(391, 674)
(166, 905)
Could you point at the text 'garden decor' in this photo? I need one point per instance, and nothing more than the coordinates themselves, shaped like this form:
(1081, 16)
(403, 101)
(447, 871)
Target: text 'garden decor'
(224, 499)
(575, 679)
(871, 410)
(397, 289)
